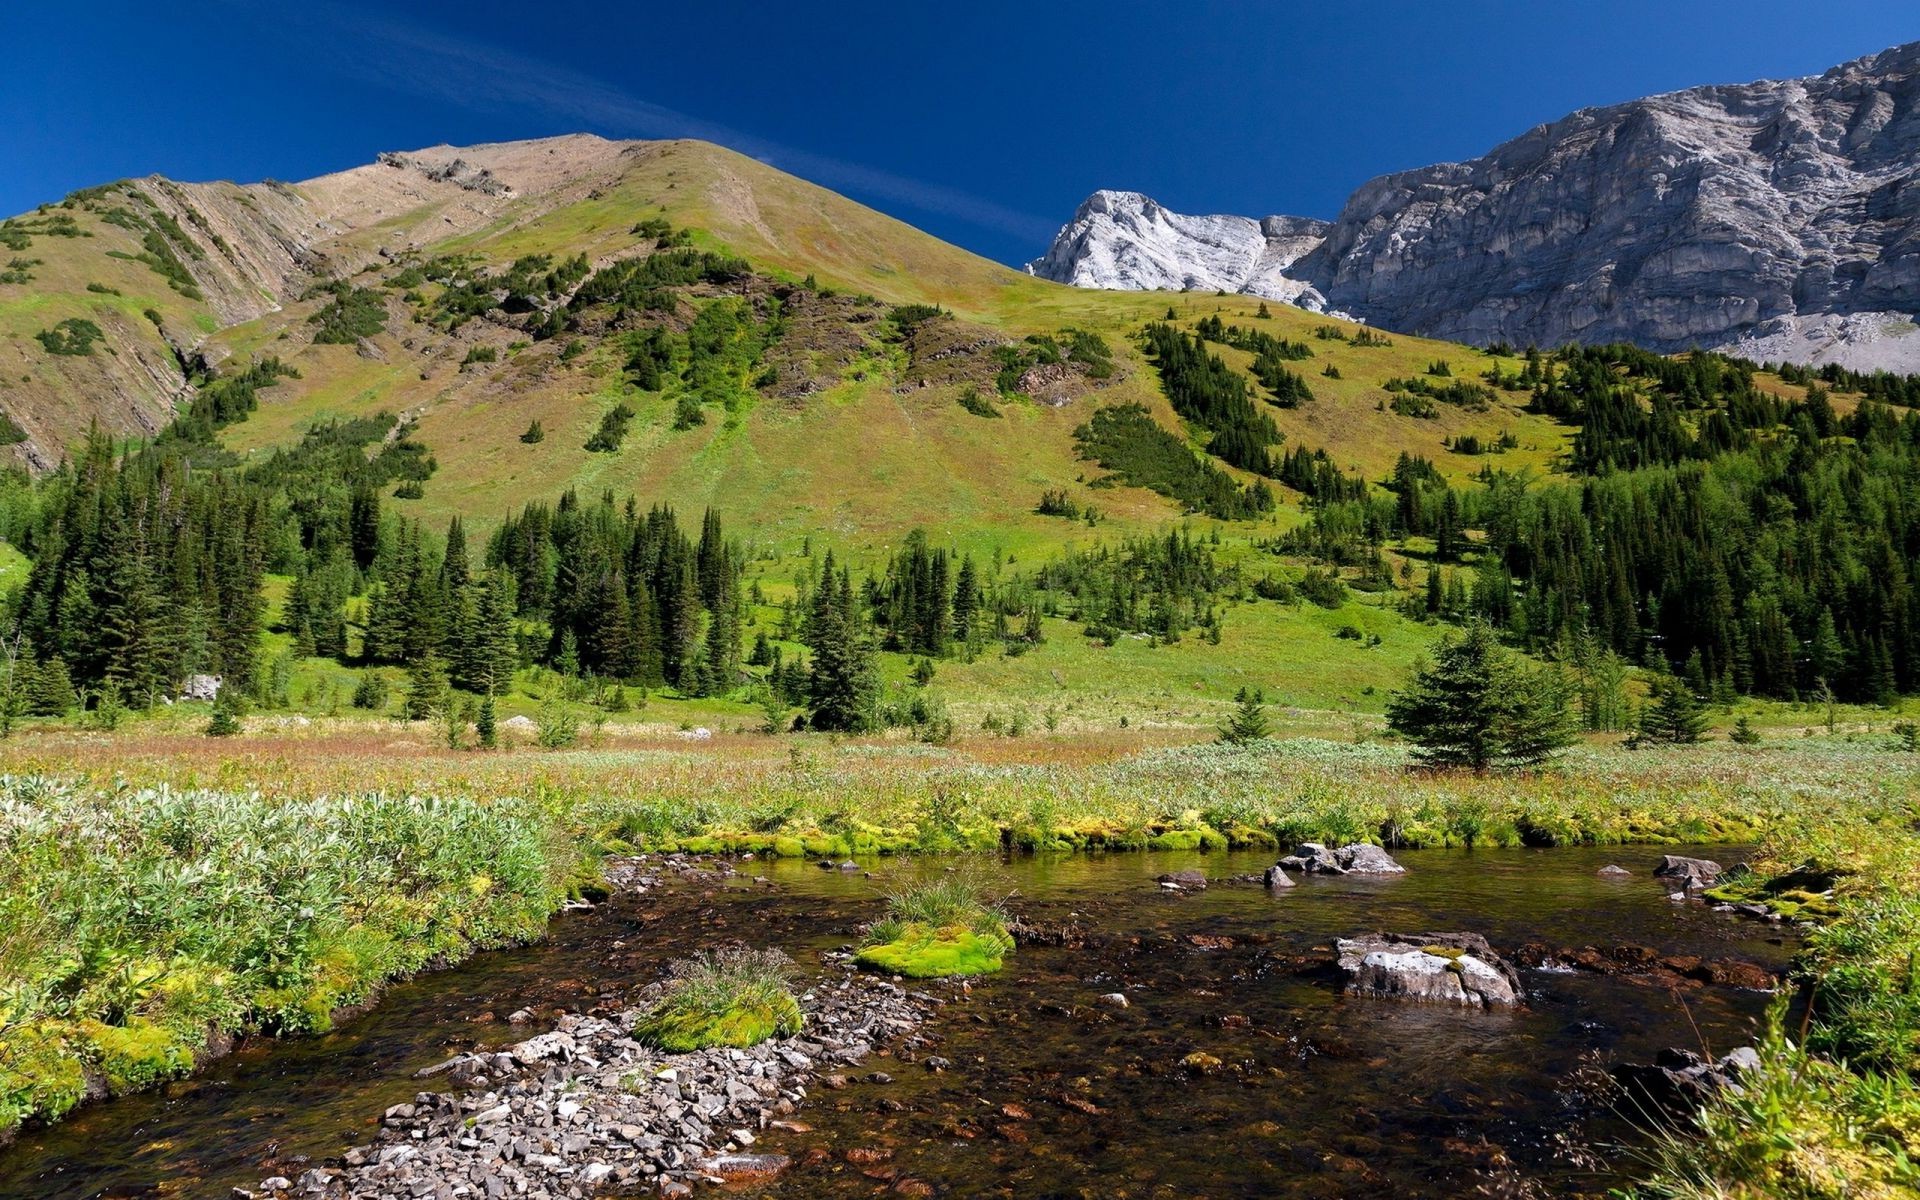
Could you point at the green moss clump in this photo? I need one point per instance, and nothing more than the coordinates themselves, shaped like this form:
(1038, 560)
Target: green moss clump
(39, 1077)
(136, 1055)
(736, 998)
(937, 929)
(681, 1031)
(923, 953)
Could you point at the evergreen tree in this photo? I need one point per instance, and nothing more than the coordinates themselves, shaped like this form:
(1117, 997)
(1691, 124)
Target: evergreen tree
(1249, 720)
(1476, 706)
(1672, 716)
(843, 686)
(225, 721)
(51, 692)
(426, 688)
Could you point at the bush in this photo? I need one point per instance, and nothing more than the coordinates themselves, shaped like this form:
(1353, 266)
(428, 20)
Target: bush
(352, 314)
(73, 337)
(613, 429)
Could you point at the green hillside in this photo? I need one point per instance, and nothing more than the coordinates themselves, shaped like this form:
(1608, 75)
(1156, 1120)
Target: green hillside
(494, 326)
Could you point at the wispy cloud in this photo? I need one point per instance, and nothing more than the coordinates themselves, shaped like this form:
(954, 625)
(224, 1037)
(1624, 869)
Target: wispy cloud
(469, 74)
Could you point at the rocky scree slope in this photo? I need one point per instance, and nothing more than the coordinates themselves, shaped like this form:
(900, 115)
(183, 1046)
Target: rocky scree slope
(1779, 219)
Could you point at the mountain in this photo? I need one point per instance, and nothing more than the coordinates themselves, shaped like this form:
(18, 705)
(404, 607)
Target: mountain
(156, 274)
(1780, 220)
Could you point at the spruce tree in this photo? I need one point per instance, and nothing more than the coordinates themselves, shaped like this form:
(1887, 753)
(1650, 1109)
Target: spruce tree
(1672, 715)
(1249, 720)
(1475, 705)
(426, 688)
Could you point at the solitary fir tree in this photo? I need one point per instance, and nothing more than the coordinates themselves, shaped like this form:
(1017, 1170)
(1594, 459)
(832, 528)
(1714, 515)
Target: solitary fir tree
(1672, 716)
(1249, 720)
(1478, 706)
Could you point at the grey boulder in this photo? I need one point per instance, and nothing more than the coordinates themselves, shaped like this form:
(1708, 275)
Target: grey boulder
(1437, 968)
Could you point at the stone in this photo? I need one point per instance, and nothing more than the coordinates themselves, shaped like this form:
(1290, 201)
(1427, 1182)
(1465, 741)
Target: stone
(1694, 873)
(1364, 859)
(1278, 878)
(741, 1168)
(1441, 968)
(1677, 1082)
(1613, 871)
(1187, 881)
(1357, 858)
(1114, 1000)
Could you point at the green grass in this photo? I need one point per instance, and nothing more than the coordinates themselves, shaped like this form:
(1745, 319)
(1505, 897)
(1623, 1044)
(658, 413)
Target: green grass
(135, 922)
(736, 998)
(938, 928)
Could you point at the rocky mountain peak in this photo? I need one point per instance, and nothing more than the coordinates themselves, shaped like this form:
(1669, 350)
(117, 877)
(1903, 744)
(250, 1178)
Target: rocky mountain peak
(1779, 218)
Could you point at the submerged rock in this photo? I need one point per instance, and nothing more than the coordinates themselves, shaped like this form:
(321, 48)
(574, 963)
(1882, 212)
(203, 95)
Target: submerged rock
(1694, 873)
(1613, 871)
(1185, 881)
(1359, 858)
(1440, 968)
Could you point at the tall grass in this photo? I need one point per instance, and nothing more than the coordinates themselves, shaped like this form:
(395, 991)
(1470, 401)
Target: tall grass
(136, 924)
(731, 997)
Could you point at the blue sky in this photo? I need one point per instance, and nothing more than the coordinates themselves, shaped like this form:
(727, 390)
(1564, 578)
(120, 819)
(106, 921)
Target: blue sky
(984, 123)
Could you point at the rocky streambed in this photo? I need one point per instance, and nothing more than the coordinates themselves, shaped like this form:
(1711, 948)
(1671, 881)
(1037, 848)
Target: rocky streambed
(585, 1108)
(1188, 1037)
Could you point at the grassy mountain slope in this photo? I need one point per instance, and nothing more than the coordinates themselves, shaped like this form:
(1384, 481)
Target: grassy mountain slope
(845, 432)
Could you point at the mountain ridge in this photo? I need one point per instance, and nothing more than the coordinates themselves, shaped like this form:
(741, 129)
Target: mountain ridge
(1778, 219)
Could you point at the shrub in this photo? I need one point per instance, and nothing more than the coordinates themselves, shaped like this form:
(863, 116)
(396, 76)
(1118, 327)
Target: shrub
(613, 429)
(74, 337)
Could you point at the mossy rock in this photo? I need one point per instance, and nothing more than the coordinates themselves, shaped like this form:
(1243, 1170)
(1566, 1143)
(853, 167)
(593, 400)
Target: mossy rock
(923, 953)
(681, 1031)
(789, 847)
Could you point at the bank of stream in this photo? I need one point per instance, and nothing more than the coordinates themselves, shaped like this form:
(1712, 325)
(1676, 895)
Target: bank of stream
(1042, 1088)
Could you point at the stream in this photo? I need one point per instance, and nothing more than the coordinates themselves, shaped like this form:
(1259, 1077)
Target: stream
(1050, 1092)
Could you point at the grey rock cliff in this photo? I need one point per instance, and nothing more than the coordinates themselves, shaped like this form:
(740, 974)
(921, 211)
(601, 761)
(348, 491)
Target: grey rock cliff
(1779, 218)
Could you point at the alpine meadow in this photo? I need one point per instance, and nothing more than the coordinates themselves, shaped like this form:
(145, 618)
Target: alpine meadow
(584, 667)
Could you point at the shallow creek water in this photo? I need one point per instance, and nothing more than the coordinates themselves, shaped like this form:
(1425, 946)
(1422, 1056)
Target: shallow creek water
(1049, 1092)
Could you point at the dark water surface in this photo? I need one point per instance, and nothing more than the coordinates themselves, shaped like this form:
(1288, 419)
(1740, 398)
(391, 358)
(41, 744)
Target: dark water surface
(1050, 1093)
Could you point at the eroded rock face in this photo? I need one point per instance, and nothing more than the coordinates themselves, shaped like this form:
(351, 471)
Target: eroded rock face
(1437, 968)
(1779, 218)
(1130, 242)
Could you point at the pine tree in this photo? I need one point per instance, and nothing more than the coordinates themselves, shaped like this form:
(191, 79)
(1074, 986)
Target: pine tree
(842, 686)
(51, 693)
(1476, 706)
(1249, 720)
(484, 726)
(426, 688)
(1672, 716)
(225, 721)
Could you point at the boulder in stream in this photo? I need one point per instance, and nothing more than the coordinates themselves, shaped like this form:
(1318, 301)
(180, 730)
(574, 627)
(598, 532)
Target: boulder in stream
(1359, 858)
(1188, 880)
(1440, 968)
(1694, 873)
(1277, 877)
(1679, 1081)
(1613, 871)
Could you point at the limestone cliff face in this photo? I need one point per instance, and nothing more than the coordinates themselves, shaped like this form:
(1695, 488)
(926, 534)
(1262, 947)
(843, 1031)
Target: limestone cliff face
(1780, 216)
